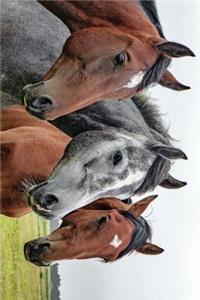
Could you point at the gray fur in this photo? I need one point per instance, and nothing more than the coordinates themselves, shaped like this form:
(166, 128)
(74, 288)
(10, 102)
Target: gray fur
(153, 118)
(138, 113)
(31, 39)
(86, 171)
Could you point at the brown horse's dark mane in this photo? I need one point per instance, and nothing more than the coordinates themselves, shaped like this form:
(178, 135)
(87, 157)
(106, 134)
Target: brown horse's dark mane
(141, 235)
(155, 72)
(150, 9)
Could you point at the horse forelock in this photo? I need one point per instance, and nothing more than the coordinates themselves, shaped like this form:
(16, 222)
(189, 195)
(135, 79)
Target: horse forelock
(156, 174)
(155, 72)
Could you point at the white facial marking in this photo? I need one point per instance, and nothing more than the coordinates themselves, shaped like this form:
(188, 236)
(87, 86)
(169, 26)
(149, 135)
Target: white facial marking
(134, 80)
(39, 208)
(116, 242)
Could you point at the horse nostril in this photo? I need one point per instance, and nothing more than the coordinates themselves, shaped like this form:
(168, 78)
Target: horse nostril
(50, 200)
(42, 102)
(44, 245)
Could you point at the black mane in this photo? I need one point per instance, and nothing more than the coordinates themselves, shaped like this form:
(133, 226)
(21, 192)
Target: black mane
(156, 174)
(150, 9)
(141, 235)
(155, 72)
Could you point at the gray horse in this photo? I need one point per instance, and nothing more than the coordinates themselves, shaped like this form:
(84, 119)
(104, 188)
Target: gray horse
(29, 46)
(119, 148)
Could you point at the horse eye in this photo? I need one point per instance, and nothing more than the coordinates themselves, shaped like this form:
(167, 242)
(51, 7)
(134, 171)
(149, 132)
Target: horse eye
(120, 59)
(117, 157)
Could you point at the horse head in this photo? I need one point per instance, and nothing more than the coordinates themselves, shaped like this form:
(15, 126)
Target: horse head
(103, 163)
(103, 60)
(108, 229)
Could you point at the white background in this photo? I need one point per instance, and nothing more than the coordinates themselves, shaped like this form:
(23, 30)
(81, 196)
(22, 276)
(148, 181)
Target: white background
(175, 217)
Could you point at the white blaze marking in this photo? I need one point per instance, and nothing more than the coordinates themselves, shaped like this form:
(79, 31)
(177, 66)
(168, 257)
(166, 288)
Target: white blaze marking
(134, 80)
(116, 241)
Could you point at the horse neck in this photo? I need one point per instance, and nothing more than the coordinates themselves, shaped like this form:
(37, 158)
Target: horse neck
(104, 115)
(126, 15)
(137, 115)
(17, 116)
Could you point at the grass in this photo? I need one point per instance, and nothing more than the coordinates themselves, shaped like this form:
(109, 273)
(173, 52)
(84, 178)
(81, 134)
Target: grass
(19, 279)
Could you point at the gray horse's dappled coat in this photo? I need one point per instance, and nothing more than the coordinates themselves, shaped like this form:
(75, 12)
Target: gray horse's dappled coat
(31, 41)
(119, 148)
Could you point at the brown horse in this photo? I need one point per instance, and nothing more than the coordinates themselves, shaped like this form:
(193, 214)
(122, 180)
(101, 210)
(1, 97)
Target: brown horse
(30, 149)
(117, 48)
(107, 229)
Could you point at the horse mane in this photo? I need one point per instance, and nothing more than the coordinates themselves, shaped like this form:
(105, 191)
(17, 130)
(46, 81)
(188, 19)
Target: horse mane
(161, 166)
(156, 174)
(141, 235)
(152, 117)
(136, 242)
(155, 72)
(150, 9)
(153, 75)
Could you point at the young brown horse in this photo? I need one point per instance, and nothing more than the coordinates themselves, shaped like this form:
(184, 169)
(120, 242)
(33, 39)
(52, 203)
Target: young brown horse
(30, 149)
(107, 229)
(117, 48)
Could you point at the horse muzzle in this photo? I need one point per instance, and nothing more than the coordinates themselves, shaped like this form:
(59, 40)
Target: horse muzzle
(35, 103)
(41, 202)
(34, 250)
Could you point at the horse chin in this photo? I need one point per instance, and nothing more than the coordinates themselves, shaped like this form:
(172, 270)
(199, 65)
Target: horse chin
(35, 113)
(40, 263)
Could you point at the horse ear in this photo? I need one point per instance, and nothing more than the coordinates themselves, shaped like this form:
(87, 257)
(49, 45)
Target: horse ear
(139, 207)
(150, 249)
(169, 81)
(172, 183)
(169, 152)
(172, 49)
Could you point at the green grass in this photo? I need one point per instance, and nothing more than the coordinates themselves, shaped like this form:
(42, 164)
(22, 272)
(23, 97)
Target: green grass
(19, 279)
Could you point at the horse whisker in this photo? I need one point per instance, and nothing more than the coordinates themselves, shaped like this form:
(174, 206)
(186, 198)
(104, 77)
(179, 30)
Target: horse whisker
(27, 183)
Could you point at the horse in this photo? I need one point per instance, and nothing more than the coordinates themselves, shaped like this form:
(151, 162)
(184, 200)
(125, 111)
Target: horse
(118, 149)
(116, 49)
(107, 229)
(30, 149)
